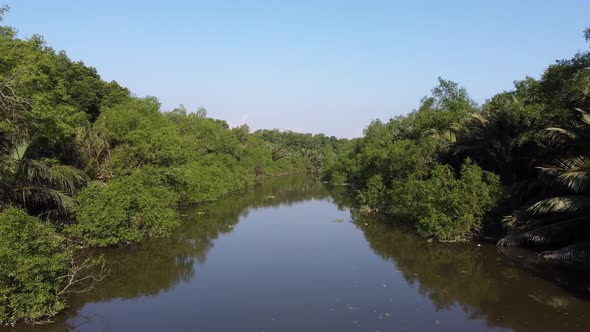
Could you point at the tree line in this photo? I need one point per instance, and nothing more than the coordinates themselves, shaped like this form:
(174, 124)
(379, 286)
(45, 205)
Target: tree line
(515, 169)
(85, 163)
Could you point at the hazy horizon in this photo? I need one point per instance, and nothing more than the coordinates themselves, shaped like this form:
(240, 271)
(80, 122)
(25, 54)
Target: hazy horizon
(320, 68)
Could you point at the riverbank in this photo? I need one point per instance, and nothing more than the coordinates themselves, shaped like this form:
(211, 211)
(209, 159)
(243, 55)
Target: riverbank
(519, 164)
(320, 265)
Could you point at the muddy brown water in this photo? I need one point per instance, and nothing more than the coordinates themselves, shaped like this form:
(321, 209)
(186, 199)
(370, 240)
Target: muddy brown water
(291, 255)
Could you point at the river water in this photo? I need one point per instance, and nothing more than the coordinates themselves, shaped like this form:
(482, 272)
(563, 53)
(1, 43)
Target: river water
(291, 255)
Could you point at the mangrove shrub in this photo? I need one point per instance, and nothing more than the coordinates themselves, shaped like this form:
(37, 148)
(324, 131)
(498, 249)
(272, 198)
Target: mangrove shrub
(445, 206)
(125, 210)
(33, 263)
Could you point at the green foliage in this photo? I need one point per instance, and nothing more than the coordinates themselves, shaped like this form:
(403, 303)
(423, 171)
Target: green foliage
(535, 138)
(93, 146)
(45, 95)
(559, 216)
(312, 152)
(448, 104)
(278, 153)
(446, 207)
(140, 135)
(374, 193)
(202, 135)
(40, 186)
(125, 210)
(404, 177)
(58, 116)
(336, 177)
(396, 159)
(503, 137)
(213, 177)
(33, 266)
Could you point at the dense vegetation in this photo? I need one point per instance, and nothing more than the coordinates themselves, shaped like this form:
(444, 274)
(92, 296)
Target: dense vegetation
(518, 165)
(83, 162)
(32, 263)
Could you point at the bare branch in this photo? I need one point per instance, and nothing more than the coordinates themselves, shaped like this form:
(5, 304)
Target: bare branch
(87, 273)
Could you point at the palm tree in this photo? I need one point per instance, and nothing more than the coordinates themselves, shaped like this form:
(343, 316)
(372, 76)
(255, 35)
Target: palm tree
(494, 139)
(313, 160)
(446, 139)
(93, 146)
(39, 186)
(560, 223)
(278, 153)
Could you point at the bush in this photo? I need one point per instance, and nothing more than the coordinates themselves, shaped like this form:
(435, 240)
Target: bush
(374, 193)
(445, 207)
(33, 260)
(213, 177)
(140, 135)
(125, 210)
(337, 177)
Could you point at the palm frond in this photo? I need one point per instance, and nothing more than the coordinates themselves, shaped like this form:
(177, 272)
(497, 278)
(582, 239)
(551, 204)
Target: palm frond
(18, 152)
(548, 223)
(573, 172)
(558, 136)
(37, 185)
(560, 204)
(61, 177)
(67, 178)
(584, 116)
(550, 236)
(32, 197)
(575, 252)
(278, 153)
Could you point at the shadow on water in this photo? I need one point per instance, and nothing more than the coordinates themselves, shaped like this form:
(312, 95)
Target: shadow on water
(485, 283)
(158, 265)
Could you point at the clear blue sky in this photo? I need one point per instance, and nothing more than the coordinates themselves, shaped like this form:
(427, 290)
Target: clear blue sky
(316, 66)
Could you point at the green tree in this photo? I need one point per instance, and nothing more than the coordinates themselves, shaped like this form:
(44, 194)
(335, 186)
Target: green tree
(40, 186)
(33, 266)
(448, 104)
(502, 138)
(125, 210)
(446, 207)
(560, 221)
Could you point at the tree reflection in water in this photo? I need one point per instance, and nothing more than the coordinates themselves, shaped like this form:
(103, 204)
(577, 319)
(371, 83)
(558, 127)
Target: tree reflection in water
(485, 283)
(158, 265)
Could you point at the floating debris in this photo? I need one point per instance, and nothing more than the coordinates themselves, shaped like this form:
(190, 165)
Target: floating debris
(352, 308)
(385, 315)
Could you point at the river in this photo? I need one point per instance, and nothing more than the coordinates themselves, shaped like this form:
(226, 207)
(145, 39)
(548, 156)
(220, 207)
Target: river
(291, 255)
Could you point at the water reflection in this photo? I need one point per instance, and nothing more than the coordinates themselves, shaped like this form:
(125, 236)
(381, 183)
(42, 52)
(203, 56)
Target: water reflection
(484, 282)
(158, 265)
(291, 267)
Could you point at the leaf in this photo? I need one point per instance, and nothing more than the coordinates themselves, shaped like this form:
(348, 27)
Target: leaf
(561, 204)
